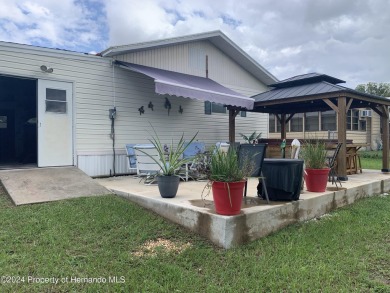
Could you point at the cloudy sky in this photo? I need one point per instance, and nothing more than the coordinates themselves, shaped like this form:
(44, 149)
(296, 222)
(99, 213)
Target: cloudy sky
(348, 39)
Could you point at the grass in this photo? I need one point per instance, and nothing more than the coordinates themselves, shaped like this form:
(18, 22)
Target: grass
(345, 251)
(371, 159)
(371, 163)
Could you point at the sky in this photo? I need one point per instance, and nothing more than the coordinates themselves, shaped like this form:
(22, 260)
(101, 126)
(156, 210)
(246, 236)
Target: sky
(347, 39)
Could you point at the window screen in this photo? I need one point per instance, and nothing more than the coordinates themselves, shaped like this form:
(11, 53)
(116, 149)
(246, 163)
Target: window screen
(56, 101)
(311, 121)
(296, 123)
(210, 107)
(328, 120)
(272, 123)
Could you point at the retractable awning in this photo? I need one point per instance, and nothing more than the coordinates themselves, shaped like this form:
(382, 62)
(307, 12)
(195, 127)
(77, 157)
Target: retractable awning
(190, 86)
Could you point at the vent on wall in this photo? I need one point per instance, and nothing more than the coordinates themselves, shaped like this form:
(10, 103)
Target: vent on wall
(365, 113)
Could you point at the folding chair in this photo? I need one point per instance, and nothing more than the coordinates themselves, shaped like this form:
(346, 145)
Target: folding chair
(332, 164)
(193, 149)
(131, 159)
(146, 166)
(256, 154)
(222, 146)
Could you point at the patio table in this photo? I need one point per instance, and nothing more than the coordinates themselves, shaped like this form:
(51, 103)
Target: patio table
(353, 163)
(283, 178)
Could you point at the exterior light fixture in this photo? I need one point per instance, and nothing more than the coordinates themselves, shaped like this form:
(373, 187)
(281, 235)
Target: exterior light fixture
(44, 68)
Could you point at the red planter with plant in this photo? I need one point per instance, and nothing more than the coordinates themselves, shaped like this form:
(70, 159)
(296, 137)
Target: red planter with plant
(316, 179)
(228, 197)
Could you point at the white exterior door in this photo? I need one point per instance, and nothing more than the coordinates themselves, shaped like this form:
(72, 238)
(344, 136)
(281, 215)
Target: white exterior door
(55, 137)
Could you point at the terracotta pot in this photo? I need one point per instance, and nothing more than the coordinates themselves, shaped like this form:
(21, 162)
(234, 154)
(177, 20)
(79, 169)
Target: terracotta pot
(316, 179)
(228, 197)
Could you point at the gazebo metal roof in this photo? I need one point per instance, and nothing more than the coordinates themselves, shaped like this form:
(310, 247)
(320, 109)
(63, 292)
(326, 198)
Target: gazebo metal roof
(319, 92)
(306, 93)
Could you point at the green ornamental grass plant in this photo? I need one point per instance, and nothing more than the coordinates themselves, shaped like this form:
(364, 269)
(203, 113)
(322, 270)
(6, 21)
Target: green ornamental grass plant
(171, 161)
(226, 166)
(314, 153)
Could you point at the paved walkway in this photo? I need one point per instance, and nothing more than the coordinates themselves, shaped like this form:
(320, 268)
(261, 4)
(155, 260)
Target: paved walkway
(37, 185)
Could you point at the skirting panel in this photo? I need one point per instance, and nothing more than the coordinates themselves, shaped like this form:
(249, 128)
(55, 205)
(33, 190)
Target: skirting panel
(102, 165)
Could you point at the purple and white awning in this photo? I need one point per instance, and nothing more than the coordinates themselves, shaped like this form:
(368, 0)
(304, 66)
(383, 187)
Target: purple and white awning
(190, 86)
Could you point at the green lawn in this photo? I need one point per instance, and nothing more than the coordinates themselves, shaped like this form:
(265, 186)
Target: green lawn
(371, 163)
(371, 159)
(345, 251)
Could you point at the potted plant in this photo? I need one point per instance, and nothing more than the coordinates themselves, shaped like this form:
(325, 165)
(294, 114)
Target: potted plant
(170, 162)
(316, 170)
(227, 179)
(253, 138)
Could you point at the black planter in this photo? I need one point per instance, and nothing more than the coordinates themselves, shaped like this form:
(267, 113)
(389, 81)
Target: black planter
(168, 185)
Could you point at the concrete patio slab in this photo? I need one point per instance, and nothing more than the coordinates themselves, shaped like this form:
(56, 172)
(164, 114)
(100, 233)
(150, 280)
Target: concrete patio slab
(26, 186)
(257, 218)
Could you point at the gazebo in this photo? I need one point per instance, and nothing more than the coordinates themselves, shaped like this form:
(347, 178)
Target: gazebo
(319, 92)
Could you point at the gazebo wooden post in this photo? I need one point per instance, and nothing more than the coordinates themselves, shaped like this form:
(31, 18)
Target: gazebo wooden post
(283, 126)
(232, 124)
(385, 139)
(342, 138)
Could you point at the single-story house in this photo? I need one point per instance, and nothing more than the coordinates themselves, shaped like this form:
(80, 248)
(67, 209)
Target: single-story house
(62, 108)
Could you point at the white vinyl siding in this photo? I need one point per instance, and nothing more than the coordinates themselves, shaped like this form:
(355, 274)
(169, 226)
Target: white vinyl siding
(190, 58)
(131, 127)
(94, 94)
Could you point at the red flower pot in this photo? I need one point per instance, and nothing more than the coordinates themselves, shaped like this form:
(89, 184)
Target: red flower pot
(228, 197)
(316, 179)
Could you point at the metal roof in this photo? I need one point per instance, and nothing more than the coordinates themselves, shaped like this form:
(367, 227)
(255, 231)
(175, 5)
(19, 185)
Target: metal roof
(217, 38)
(298, 91)
(307, 96)
(306, 79)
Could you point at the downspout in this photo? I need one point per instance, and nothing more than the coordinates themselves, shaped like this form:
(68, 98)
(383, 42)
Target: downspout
(112, 116)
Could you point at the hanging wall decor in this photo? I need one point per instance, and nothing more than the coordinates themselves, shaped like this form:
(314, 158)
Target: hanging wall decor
(180, 110)
(141, 110)
(167, 105)
(150, 106)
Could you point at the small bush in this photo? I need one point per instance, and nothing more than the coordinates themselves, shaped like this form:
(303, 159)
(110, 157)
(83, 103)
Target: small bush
(371, 154)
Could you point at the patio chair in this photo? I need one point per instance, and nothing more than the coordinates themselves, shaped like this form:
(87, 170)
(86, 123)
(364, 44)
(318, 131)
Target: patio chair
(131, 159)
(193, 149)
(146, 166)
(332, 164)
(222, 146)
(256, 154)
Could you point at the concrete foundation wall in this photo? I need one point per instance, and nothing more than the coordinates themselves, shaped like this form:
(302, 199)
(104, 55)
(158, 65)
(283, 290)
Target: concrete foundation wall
(259, 220)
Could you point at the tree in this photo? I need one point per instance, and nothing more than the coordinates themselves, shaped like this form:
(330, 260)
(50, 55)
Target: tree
(373, 88)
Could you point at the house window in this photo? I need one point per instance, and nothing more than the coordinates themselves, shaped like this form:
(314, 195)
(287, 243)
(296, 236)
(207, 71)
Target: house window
(353, 120)
(56, 101)
(328, 120)
(278, 126)
(311, 121)
(296, 123)
(272, 128)
(214, 108)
